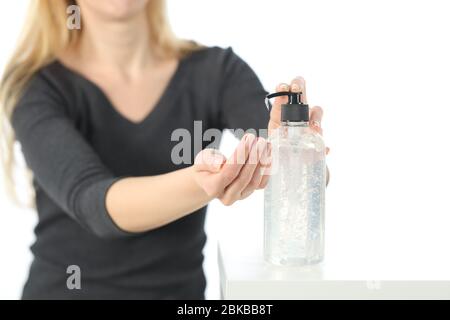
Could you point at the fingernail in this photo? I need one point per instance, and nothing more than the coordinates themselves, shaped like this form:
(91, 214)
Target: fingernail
(316, 123)
(284, 87)
(262, 144)
(217, 166)
(251, 138)
(295, 87)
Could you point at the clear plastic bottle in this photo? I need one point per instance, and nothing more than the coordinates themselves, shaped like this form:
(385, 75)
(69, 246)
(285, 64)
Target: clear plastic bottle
(294, 199)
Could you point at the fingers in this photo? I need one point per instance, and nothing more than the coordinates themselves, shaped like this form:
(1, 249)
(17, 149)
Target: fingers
(214, 172)
(249, 178)
(299, 85)
(233, 165)
(315, 122)
(209, 160)
(255, 181)
(315, 119)
(275, 113)
(266, 163)
(264, 181)
(233, 191)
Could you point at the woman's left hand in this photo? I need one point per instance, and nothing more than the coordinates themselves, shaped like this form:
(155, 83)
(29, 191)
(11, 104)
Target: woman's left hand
(296, 85)
(315, 113)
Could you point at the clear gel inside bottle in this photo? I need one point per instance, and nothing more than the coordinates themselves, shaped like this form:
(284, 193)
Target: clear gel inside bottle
(295, 196)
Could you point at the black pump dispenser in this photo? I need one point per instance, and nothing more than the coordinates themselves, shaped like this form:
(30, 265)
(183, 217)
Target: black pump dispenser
(294, 110)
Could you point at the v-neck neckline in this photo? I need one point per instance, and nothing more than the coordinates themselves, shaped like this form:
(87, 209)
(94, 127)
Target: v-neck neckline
(169, 92)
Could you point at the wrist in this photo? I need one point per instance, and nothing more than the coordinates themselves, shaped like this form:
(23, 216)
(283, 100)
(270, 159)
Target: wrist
(198, 189)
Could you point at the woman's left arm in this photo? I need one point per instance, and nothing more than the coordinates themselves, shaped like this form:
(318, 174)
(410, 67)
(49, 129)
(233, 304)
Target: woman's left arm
(242, 100)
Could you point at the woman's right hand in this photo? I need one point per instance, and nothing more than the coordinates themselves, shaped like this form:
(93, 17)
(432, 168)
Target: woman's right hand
(237, 177)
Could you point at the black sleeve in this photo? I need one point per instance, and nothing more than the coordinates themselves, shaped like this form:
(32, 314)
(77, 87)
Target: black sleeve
(62, 162)
(241, 96)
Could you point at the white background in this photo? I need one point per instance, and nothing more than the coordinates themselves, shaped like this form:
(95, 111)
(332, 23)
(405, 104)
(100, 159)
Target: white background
(380, 69)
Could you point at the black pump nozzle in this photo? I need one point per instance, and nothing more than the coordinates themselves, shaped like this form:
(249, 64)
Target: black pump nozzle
(295, 110)
(295, 97)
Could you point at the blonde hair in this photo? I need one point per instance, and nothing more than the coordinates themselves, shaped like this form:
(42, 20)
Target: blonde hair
(44, 36)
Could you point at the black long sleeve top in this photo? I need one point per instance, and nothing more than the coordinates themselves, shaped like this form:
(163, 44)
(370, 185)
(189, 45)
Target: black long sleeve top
(77, 145)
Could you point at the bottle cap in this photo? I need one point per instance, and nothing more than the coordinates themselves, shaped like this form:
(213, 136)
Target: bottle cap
(295, 110)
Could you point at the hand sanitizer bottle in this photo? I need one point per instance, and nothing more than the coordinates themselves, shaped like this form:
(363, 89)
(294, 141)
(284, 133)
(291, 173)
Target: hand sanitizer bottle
(294, 198)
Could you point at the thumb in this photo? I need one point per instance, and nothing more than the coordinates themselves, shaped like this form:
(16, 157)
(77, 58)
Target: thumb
(209, 160)
(275, 113)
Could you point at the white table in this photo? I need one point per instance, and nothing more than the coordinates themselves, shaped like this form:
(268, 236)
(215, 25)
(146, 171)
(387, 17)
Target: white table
(349, 271)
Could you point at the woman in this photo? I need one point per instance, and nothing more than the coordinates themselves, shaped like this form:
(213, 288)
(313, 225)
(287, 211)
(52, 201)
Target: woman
(94, 110)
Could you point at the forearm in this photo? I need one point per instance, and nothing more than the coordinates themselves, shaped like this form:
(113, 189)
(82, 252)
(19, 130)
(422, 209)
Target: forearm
(144, 203)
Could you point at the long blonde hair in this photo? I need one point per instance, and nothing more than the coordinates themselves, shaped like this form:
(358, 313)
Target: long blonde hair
(44, 36)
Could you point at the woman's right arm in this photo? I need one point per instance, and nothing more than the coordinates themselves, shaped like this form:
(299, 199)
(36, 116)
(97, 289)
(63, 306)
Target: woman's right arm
(144, 203)
(74, 177)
